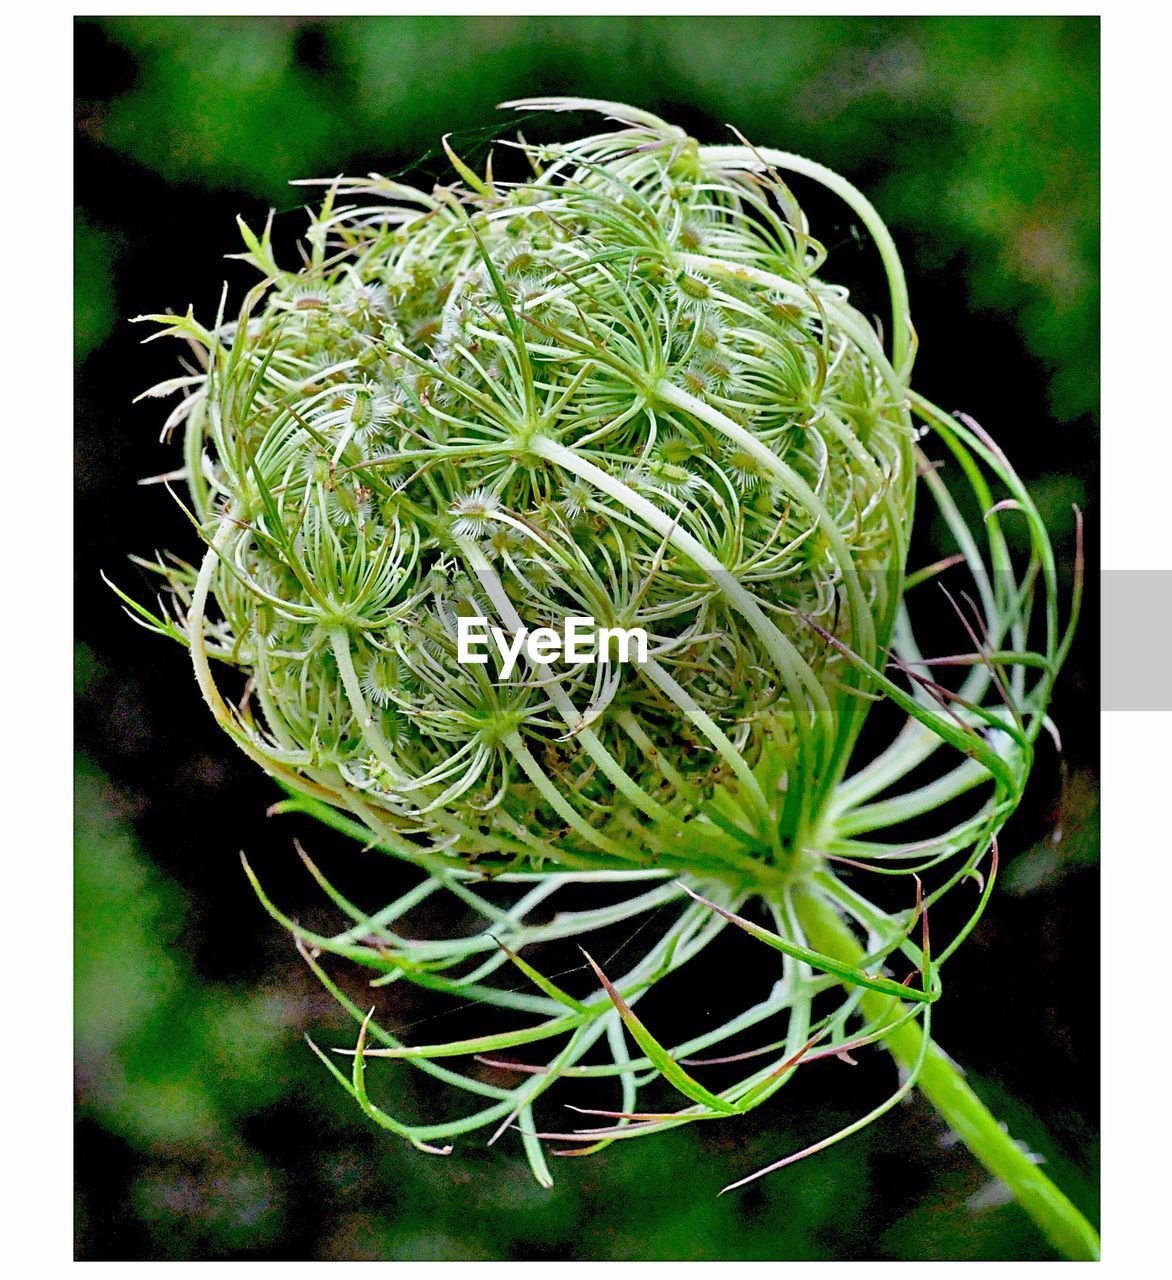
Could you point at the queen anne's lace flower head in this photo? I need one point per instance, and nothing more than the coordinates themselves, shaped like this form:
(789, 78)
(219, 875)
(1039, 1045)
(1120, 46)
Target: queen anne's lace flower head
(621, 388)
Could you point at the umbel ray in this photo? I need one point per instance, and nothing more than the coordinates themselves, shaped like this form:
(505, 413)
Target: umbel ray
(620, 388)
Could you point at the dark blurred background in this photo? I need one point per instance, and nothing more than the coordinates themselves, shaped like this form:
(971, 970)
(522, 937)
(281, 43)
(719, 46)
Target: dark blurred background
(206, 1128)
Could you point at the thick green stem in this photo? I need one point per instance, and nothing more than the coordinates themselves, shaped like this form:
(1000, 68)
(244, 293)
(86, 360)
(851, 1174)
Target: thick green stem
(940, 1081)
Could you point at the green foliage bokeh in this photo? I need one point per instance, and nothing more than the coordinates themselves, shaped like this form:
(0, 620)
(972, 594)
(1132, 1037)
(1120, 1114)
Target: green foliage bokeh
(977, 139)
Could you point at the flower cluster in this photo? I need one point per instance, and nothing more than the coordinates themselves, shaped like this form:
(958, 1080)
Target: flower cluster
(622, 389)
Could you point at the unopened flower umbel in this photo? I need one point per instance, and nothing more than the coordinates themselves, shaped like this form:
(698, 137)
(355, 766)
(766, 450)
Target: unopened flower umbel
(622, 389)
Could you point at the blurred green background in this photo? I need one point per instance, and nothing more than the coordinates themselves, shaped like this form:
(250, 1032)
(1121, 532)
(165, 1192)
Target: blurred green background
(205, 1127)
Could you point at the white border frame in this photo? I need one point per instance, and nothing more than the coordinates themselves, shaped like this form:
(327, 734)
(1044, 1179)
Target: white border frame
(1136, 505)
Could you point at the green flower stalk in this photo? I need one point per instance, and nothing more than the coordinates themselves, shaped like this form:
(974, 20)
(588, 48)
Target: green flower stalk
(620, 389)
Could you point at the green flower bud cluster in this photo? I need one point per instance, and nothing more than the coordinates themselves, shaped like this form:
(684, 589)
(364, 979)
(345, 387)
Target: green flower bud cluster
(620, 389)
